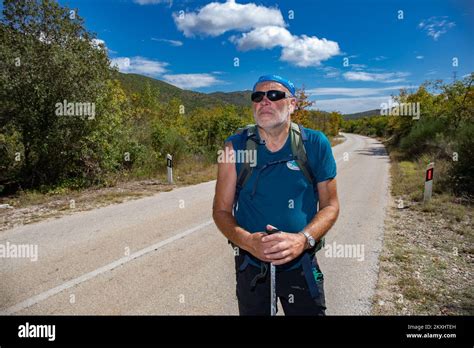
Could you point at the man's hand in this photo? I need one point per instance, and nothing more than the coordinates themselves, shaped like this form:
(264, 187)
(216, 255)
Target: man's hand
(257, 246)
(280, 248)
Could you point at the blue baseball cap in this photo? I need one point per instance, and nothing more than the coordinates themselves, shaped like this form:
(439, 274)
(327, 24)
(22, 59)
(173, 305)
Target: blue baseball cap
(275, 78)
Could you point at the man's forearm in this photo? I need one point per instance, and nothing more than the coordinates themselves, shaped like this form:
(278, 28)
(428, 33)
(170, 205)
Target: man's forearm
(322, 222)
(226, 223)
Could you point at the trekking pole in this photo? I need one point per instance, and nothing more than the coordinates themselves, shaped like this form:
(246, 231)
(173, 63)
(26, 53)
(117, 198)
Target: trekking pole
(273, 299)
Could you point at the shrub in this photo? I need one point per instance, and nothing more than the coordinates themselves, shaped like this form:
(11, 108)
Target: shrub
(462, 170)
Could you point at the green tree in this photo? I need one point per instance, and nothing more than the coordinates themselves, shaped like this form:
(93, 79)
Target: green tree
(49, 57)
(301, 114)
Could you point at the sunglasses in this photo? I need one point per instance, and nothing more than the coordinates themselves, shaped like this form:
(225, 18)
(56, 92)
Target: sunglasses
(272, 95)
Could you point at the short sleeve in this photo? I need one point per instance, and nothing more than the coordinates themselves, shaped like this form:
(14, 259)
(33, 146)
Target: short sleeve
(320, 157)
(236, 141)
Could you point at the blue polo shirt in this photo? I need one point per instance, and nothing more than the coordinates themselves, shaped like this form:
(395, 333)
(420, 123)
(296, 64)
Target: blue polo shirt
(279, 194)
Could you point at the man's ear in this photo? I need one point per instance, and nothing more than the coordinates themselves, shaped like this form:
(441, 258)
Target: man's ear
(292, 106)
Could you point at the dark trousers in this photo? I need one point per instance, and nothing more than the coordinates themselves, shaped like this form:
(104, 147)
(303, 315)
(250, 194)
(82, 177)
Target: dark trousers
(291, 288)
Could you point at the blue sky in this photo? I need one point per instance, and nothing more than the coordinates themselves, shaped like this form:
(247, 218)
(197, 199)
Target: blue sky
(350, 55)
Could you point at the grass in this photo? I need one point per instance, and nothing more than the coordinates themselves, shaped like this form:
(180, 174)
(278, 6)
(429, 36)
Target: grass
(195, 173)
(336, 140)
(425, 263)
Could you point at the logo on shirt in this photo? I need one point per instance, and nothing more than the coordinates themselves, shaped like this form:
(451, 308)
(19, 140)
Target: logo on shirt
(292, 165)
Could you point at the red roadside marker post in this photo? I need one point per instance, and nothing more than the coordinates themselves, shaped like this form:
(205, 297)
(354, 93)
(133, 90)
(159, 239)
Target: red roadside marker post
(428, 182)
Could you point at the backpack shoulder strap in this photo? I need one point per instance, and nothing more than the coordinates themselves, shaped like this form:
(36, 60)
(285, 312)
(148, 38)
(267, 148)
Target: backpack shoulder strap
(298, 138)
(249, 134)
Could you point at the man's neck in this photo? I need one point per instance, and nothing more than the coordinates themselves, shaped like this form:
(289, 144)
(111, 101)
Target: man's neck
(276, 137)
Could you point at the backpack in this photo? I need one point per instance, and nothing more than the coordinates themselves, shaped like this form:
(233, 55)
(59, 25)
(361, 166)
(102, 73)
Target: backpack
(298, 138)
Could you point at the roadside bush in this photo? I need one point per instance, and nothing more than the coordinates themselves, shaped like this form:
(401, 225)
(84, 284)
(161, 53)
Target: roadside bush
(421, 137)
(169, 141)
(462, 170)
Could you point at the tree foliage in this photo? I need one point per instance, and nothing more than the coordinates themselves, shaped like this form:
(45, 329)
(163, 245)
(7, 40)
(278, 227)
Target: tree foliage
(48, 57)
(443, 131)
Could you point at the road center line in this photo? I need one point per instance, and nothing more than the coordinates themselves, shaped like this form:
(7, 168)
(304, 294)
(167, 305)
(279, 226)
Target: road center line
(85, 277)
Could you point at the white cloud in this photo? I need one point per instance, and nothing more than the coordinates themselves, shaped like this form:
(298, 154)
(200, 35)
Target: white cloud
(377, 77)
(331, 72)
(97, 42)
(264, 37)
(263, 27)
(436, 26)
(171, 42)
(189, 81)
(152, 2)
(420, 57)
(145, 66)
(352, 92)
(351, 105)
(358, 66)
(380, 58)
(309, 51)
(301, 50)
(122, 63)
(216, 18)
(139, 65)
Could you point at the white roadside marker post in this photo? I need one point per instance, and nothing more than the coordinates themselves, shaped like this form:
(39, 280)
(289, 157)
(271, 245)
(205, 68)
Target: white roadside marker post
(428, 182)
(169, 164)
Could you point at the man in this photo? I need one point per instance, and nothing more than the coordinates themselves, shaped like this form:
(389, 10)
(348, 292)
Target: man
(277, 194)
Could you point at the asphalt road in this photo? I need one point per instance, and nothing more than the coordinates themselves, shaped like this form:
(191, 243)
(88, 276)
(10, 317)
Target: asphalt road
(163, 254)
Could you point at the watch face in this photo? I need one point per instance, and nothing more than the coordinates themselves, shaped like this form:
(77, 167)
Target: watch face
(312, 242)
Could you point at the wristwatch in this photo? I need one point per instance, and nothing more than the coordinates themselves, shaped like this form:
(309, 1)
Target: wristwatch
(310, 240)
